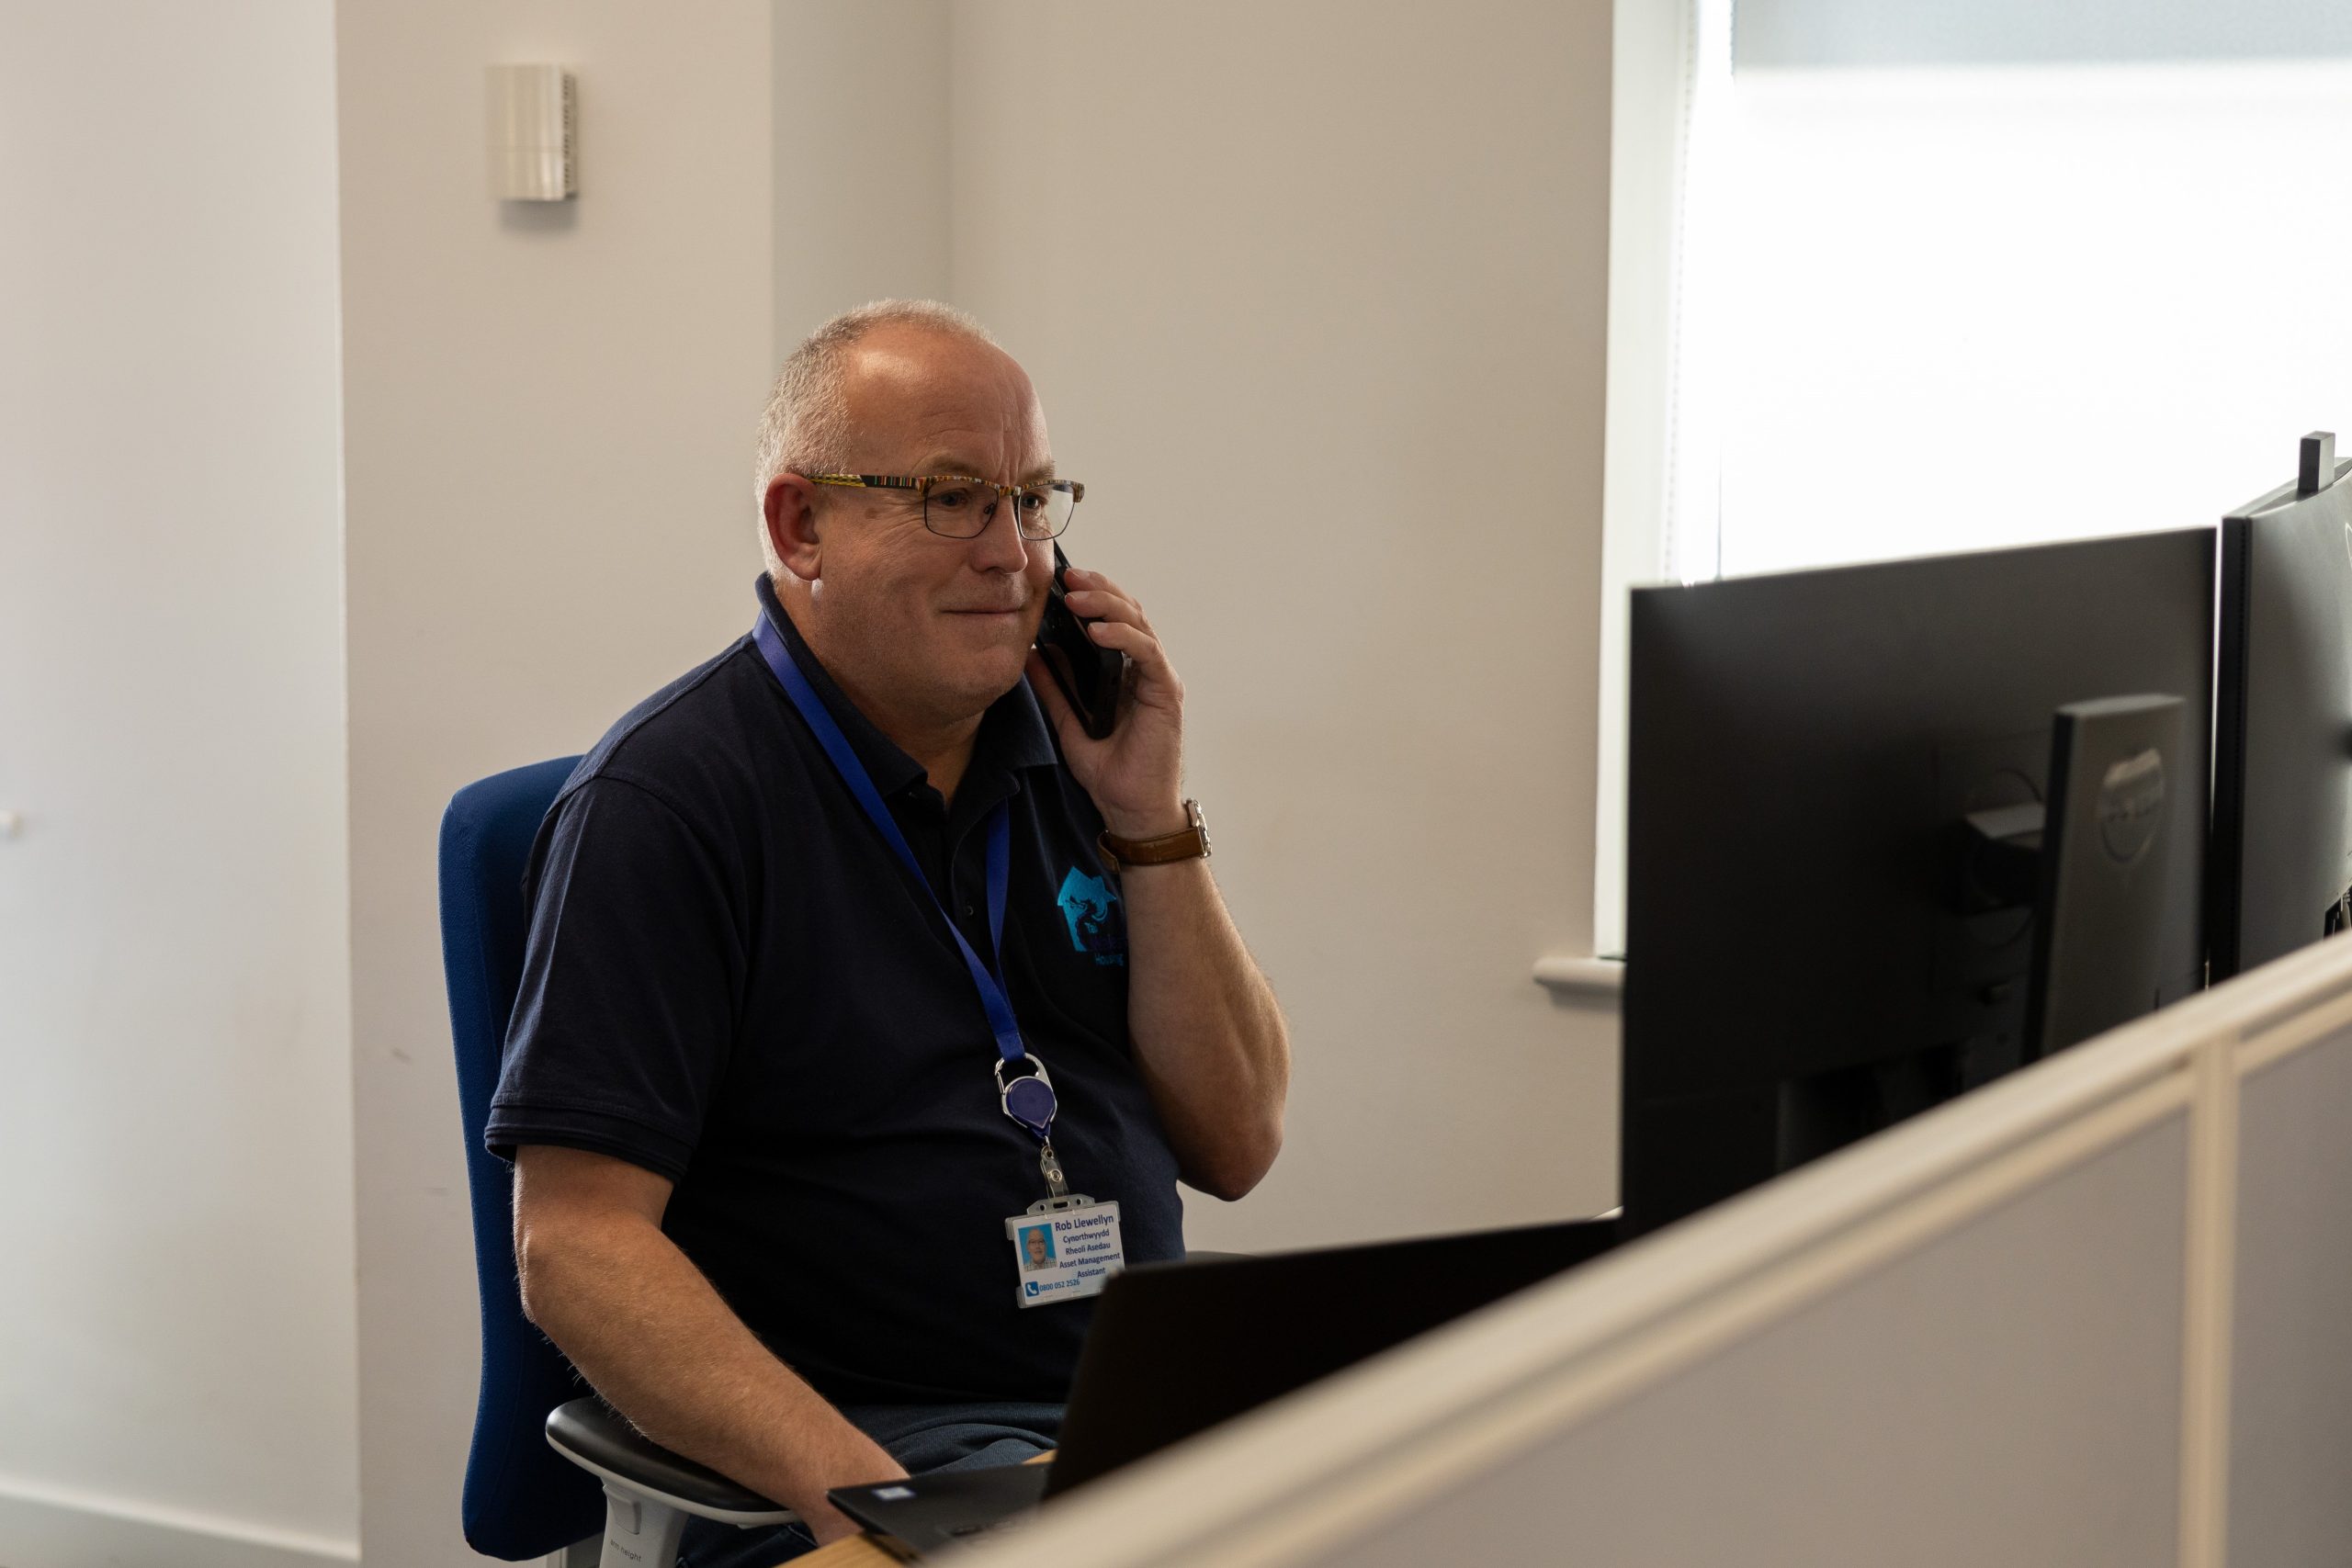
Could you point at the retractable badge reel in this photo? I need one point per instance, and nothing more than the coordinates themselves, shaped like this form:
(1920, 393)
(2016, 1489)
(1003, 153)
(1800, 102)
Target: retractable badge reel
(1029, 1100)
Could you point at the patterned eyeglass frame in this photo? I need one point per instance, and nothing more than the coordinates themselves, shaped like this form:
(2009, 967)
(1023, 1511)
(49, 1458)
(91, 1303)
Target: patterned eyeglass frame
(921, 487)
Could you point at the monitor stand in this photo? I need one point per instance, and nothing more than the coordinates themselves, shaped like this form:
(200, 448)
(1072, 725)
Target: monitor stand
(1724, 1143)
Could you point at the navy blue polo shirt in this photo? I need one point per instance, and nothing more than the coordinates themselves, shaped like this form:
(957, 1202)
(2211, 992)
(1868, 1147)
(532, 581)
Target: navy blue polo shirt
(732, 981)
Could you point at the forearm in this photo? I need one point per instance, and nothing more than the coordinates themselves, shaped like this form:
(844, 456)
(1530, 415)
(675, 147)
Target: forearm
(1209, 1038)
(639, 1320)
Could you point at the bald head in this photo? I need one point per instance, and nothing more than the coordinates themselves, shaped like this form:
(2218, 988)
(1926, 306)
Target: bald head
(921, 402)
(860, 385)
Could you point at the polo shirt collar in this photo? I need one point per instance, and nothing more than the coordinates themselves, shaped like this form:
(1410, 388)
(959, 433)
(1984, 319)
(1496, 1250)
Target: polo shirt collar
(1014, 734)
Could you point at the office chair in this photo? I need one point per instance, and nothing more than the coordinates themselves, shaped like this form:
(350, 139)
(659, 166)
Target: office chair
(543, 1449)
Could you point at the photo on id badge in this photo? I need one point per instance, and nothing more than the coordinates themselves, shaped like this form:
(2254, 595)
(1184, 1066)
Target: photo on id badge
(1065, 1255)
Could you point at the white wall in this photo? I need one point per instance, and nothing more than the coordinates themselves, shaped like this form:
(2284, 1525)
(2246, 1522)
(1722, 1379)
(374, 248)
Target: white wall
(551, 414)
(1317, 296)
(863, 204)
(176, 1328)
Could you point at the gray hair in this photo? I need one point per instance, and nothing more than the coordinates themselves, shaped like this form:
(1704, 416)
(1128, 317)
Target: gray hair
(806, 428)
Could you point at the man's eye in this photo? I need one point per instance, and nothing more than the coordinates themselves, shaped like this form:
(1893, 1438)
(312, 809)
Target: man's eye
(950, 498)
(1031, 503)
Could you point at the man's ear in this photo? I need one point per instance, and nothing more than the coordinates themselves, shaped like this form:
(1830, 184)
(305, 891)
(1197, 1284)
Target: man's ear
(791, 508)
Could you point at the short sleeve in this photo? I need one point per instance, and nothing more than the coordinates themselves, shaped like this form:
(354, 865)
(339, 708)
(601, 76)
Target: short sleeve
(631, 974)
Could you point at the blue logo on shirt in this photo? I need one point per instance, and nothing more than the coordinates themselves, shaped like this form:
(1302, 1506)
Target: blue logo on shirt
(1098, 926)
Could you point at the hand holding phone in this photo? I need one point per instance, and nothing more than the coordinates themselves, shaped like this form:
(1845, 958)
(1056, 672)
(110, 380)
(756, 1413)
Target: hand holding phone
(1090, 675)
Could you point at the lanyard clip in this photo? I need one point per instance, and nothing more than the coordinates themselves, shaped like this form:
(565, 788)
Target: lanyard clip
(1028, 1099)
(1050, 1163)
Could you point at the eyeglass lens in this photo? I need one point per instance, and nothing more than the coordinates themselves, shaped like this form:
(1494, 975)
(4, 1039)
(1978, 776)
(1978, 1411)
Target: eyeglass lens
(963, 509)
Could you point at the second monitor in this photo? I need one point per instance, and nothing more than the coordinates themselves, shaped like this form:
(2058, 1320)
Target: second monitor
(1815, 946)
(2282, 779)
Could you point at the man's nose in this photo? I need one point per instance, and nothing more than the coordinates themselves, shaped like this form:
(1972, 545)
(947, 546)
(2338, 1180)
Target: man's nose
(999, 546)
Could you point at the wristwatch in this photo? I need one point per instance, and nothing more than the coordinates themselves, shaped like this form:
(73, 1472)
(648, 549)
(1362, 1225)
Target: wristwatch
(1190, 843)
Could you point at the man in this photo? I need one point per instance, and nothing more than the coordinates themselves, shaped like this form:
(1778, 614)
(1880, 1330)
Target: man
(773, 1123)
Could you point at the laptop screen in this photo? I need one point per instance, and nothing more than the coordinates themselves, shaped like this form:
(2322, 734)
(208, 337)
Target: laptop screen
(1175, 1349)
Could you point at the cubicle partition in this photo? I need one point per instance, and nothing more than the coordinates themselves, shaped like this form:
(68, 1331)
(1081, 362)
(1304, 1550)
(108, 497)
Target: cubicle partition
(2100, 1313)
(2290, 1364)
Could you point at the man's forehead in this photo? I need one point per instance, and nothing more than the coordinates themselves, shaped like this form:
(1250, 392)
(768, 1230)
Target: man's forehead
(934, 374)
(958, 460)
(944, 401)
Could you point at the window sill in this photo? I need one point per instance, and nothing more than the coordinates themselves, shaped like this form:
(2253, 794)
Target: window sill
(1585, 976)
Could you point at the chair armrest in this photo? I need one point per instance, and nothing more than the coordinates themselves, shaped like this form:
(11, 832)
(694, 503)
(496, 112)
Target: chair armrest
(591, 1435)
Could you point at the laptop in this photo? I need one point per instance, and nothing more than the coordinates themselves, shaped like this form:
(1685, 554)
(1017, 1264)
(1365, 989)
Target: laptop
(1176, 1349)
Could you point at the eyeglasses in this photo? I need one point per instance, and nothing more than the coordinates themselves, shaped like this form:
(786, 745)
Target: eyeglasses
(957, 506)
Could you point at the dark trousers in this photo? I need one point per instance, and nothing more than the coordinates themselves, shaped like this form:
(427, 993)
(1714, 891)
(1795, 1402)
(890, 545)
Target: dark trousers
(920, 1436)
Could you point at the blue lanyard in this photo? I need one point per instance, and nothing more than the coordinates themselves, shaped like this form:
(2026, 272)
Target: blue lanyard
(987, 979)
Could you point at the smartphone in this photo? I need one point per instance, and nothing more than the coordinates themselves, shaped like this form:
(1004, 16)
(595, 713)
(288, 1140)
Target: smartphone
(1088, 675)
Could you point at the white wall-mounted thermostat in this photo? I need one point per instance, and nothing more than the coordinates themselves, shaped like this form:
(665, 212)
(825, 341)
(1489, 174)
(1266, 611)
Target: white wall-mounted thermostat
(533, 116)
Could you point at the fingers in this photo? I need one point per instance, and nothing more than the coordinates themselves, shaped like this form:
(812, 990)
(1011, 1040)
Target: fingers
(1154, 677)
(1093, 596)
(1115, 620)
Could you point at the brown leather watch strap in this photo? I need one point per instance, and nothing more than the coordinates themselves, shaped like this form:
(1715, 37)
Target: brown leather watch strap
(1189, 843)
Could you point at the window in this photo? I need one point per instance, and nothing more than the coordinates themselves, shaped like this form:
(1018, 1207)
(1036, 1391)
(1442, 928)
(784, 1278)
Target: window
(1963, 275)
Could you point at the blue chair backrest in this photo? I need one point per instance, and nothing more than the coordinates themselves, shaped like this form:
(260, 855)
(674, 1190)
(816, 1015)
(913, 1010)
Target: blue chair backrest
(522, 1498)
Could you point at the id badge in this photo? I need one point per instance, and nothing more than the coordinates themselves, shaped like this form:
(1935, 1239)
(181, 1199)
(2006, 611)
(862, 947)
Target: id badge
(1065, 1251)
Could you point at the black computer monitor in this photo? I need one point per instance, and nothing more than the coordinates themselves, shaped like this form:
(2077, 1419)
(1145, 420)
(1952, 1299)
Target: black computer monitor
(1811, 954)
(2283, 740)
